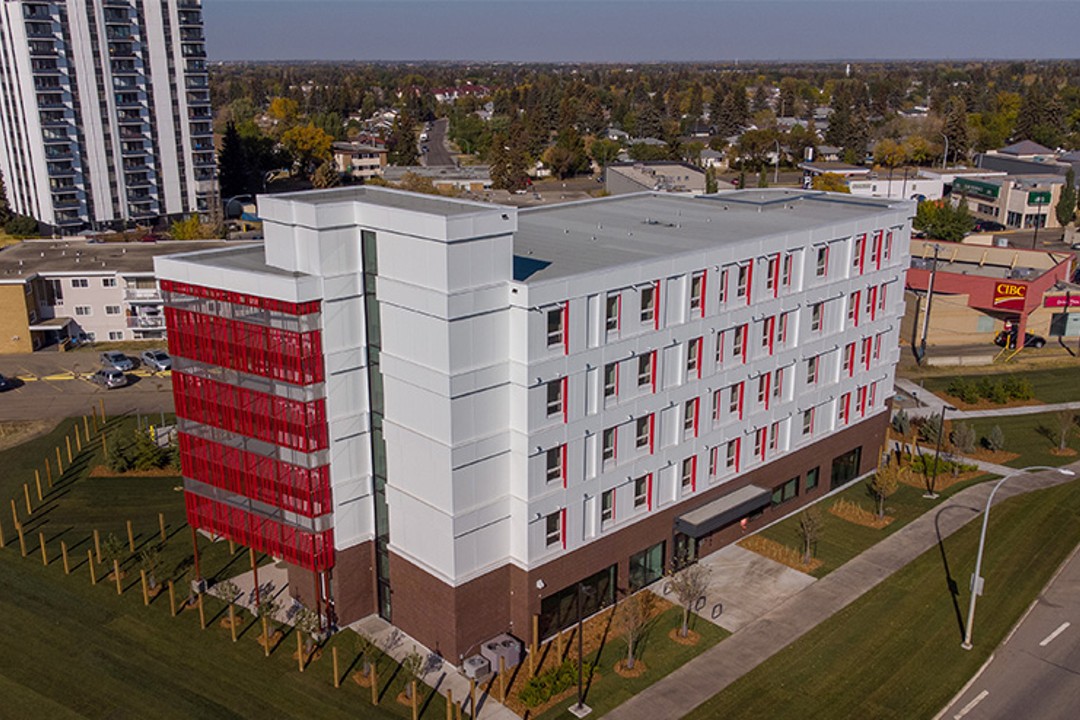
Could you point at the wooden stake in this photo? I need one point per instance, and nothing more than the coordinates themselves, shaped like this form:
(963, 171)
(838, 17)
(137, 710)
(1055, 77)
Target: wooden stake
(97, 545)
(414, 706)
(86, 427)
(232, 621)
(472, 697)
(26, 494)
(22, 539)
(449, 704)
(116, 574)
(161, 524)
(67, 441)
(63, 554)
(457, 711)
(78, 439)
(202, 613)
(102, 401)
(44, 550)
(90, 564)
(2, 543)
(502, 679)
(145, 588)
(59, 464)
(131, 537)
(172, 600)
(48, 471)
(14, 513)
(232, 547)
(37, 484)
(300, 651)
(333, 656)
(266, 637)
(104, 446)
(374, 685)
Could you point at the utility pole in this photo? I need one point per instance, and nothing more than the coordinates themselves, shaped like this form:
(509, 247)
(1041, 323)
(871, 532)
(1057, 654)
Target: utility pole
(929, 300)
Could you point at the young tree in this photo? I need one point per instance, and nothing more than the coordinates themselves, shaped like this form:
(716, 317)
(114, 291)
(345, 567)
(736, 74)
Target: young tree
(226, 590)
(809, 532)
(150, 561)
(632, 620)
(1066, 423)
(190, 229)
(1066, 205)
(268, 610)
(963, 437)
(410, 670)
(884, 483)
(365, 652)
(711, 185)
(689, 584)
(113, 548)
(956, 128)
(995, 441)
(326, 175)
(309, 623)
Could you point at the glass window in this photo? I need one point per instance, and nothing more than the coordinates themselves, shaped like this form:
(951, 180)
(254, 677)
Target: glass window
(788, 491)
(554, 464)
(641, 491)
(607, 506)
(817, 311)
(641, 434)
(808, 422)
(555, 327)
(690, 415)
(812, 478)
(611, 312)
(743, 281)
(608, 444)
(645, 369)
(846, 467)
(732, 458)
(553, 528)
(648, 304)
(554, 397)
(697, 289)
(822, 267)
(108, 282)
(611, 379)
(688, 473)
(646, 567)
(693, 357)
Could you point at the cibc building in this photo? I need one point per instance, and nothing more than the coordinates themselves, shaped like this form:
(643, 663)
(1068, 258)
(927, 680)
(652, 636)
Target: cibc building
(452, 413)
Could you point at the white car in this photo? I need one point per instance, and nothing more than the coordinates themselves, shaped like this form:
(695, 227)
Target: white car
(156, 360)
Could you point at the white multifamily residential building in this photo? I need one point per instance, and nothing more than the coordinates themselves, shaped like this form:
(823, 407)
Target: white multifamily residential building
(105, 111)
(478, 408)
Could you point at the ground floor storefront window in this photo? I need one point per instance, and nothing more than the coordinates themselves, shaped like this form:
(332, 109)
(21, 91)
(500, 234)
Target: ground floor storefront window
(559, 610)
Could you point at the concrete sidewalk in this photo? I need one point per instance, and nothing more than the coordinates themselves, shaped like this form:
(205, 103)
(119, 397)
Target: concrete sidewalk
(931, 404)
(715, 669)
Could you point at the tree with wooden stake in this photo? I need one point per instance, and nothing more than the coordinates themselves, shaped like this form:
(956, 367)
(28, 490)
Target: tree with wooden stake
(1066, 423)
(688, 584)
(364, 647)
(227, 591)
(809, 531)
(112, 550)
(883, 483)
(308, 623)
(410, 671)
(632, 620)
(268, 609)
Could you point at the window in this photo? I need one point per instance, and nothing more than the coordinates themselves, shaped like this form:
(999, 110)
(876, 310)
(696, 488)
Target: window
(646, 370)
(759, 443)
(742, 284)
(608, 439)
(643, 433)
(864, 356)
(689, 474)
(778, 383)
(845, 467)
(714, 461)
(112, 309)
(774, 437)
(844, 409)
(607, 506)
(853, 309)
(693, 358)
(553, 529)
(555, 329)
(732, 459)
(871, 302)
(735, 396)
(720, 348)
(646, 567)
(785, 492)
(116, 334)
(817, 313)
(860, 400)
(108, 282)
(785, 274)
(555, 397)
(717, 401)
(881, 298)
(82, 310)
(768, 326)
(690, 417)
(808, 422)
(857, 254)
(612, 307)
(811, 479)
(812, 370)
(697, 293)
(556, 464)
(822, 267)
(611, 379)
(886, 251)
(641, 491)
(80, 282)
(782, 330)
(875, 250)
(723, 286)
(648, 304)
(738, 343)
(877, 345)
(772, 273)
(873, 393)
(763, 390)
(849, 359)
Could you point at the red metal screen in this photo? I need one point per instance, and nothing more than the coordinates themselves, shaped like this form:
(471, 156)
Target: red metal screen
(288, 423)
(305, 491)
(284, 355)
(282, 306)
(310, 550)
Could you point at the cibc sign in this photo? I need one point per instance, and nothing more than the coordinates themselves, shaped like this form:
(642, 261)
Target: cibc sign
(1010, 296)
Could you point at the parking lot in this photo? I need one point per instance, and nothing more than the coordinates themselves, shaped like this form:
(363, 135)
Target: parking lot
(54, 385)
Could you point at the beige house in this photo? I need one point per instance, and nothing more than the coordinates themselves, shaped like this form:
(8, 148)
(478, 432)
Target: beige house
(358, 160)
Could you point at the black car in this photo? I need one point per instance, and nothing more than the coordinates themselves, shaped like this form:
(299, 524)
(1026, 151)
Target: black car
(1031, 340)
(988, 226)
(5, 384)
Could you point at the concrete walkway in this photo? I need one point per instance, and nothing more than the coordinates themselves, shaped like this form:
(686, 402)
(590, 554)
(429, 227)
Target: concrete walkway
(931, 404)
(715, 669)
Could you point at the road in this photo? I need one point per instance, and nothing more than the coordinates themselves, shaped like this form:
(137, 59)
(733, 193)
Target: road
(1035, 674)
(437, 153)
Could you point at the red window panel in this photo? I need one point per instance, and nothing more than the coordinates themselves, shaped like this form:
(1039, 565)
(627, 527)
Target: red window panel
(562, 527)
(693, 474)
(656, 305)
(652, 369)
(774, 275)
(853, 309)
(235, 298)
(305, 491)
(697, 347)
(759, 443)
(861, 400)
(565, 400)
(742, 388)
(871, 303)
(288, 423)
(744, 330)
(770, 333)
(866, 345)
(704, 289)
(310, 550)
(878, 237)
(566, 327)
(738, 453)
(652, 433)
(860, 253)
(845, 408)
(877, 346)
(648, 491)
(562, 464)
(749, 280)
(849, 359)
(256, 349)
(873, 394)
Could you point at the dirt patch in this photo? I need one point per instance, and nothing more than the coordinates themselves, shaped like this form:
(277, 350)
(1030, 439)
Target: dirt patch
(13, 432)
(984, 404)
(692, 638)
(275, 638)
(361, 678)
(944, 480)
(998, 457)
(1067, 452)
(104, 471)
(780, 553)
(638, 670)
(855, 513)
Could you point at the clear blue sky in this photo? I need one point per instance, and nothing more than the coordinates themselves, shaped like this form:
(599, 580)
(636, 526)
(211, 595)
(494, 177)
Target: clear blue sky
(640, 30)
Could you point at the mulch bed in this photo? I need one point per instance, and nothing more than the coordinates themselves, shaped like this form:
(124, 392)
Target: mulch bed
(104, 471)
(865, 518)
(638, 670)
(692, 638)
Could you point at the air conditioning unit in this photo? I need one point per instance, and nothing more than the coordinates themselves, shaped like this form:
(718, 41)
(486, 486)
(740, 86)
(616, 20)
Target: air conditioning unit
(476, 667)
(508, 647)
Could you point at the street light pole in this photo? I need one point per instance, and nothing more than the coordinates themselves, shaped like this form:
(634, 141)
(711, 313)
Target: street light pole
(976, 580)
(937, 453)
(581, 709)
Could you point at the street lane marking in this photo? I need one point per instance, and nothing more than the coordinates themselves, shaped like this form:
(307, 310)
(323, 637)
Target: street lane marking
(971, 705)
(1050, 638)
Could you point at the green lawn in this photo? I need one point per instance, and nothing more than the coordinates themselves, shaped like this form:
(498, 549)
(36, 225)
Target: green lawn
(841, 540)
(73, 650)
(1052, 385)
(1033, 436)
(660, 654)
(895, 652)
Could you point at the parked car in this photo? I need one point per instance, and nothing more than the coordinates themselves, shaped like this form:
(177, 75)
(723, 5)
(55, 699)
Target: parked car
(117, 361)
(988, 226)
(109, 378)
(5, 384)
(156, 360)
(1031, 340)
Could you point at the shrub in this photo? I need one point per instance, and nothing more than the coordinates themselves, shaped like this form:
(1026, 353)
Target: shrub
(998, 394)
(1019, 388)
(995, 441)
(543, 687)
(963, 437)
(964, 389)
(930, 428)
(924, 465)
(901, 423)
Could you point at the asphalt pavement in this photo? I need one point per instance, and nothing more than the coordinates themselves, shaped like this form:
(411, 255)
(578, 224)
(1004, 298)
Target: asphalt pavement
(438, 153)
(1035, 673)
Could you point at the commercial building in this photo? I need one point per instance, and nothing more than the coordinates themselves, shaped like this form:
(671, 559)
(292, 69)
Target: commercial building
(452, 413)
(54, 291)
(1015, 201)
(659, 176)
(359, 160)
(105, 111)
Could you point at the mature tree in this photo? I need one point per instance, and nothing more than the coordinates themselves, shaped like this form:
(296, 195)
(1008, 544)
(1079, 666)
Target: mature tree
(848, 125)
(632, 618)
(1066, 205)
(402, 142)
(309, 146)
(809, 531)
(603, 151)
(1040, 116)
(941, 220)
(689, 584)
(191, 229)
(326, 175)
(644, 152)
(891, 154)
(233, 172)
(567, 156)
(711, 185)
(956, 128)
(885, 482)
(507, 164)
(5, 209)
(830, 182)
(754, 147)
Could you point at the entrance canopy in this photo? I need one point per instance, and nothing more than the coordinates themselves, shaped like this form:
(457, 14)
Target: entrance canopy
(52, 324)
(723, 511)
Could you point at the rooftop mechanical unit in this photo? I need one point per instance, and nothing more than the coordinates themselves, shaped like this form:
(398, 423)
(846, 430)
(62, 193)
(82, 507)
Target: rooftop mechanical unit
(476, 667)
(508, 647)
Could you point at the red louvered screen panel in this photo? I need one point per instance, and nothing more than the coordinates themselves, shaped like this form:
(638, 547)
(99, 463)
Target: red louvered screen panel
(235, 298)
